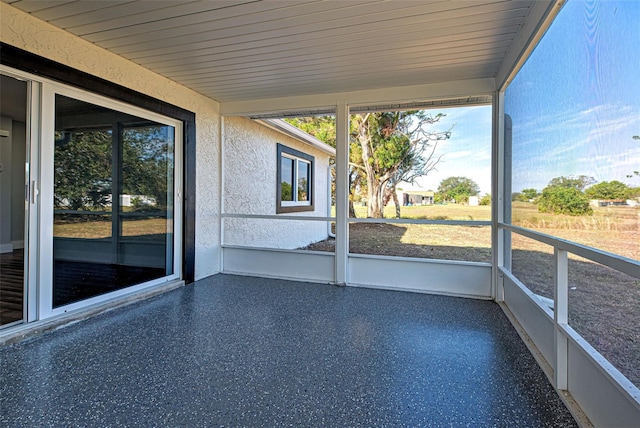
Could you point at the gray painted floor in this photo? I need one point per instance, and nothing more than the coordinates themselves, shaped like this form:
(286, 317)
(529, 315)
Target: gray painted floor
(236, 351)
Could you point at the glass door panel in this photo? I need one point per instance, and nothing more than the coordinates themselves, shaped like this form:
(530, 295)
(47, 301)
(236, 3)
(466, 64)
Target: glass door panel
(13, 207)
(113, 200)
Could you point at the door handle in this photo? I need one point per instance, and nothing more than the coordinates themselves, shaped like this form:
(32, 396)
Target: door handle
(34, 192)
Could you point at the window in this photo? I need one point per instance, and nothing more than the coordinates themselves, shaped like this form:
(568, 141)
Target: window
(114, 198)
(295, 181)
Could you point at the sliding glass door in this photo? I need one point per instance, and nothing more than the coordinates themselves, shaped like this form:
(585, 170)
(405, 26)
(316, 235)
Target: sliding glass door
(112, 199)
(90, 198)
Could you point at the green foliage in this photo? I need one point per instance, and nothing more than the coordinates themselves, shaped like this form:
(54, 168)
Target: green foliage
(486, 199)
(458, 189)
(578, 182)
(608, 190)
(287, 194)
(634, 192)
(564, 200)
(526, 195)
(321, 127)
(146, 164)
(83, 167)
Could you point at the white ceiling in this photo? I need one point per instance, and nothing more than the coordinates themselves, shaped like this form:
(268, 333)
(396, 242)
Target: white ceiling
(240, 50)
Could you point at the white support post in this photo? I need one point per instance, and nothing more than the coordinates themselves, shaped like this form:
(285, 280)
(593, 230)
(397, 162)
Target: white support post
(497, 191)
(342, 192)
(561, 317)
(221, 208)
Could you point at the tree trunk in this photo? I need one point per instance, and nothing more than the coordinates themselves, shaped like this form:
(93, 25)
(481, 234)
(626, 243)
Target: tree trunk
(375, 207)
(395, 201)
(352, 210)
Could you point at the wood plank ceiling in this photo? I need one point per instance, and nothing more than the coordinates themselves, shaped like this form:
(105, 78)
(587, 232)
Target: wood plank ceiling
(237, 50)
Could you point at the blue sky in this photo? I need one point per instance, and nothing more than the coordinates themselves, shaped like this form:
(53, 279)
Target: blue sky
(575, 105)
(467, 153)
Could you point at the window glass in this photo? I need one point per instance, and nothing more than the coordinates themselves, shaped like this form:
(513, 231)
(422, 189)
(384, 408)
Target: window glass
(113, 200)
(303, 180)
(287, 178)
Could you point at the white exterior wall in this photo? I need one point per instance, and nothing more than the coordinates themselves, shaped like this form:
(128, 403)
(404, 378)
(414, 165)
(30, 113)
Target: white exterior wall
(28, 33)
(250, 165)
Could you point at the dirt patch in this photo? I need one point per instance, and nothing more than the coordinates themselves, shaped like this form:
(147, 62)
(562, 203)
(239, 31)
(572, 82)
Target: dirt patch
(416, 240)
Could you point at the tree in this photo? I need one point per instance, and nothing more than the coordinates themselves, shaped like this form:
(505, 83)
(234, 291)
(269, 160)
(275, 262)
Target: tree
(458, 189)
(390, 147)
(608, 190)
(82, 169)
(321, 127)
(83, 166)
(526, 195)
(579, 182)
(324, 129)
(564, 195)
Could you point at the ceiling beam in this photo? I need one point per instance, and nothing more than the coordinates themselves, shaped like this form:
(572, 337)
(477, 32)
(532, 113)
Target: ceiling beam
(372, 97)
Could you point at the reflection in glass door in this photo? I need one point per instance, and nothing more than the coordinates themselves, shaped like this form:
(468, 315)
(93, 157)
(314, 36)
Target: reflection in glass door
(113, 200)
(13, 209)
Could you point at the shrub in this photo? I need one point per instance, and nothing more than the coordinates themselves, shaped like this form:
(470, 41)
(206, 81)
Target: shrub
(564, 200)
(485, 200)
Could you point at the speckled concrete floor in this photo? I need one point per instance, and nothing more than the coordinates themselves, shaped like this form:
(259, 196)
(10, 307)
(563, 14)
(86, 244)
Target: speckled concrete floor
(235, 351)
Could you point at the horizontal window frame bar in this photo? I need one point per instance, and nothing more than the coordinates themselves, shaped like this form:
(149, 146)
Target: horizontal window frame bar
(620, 263)
(421, 221)
(277, 217)
(469, 223)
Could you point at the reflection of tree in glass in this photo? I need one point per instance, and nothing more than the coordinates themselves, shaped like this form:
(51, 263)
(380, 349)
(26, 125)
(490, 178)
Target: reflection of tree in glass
(147, 165)
(287, 195)
(82, 169)
(302, 189)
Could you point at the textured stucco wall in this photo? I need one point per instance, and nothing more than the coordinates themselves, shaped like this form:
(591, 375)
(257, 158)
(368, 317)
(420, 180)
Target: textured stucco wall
(250, 162)
(26, 32)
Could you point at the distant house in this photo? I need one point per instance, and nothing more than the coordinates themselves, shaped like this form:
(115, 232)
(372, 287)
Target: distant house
(609, 202)
(417, 198)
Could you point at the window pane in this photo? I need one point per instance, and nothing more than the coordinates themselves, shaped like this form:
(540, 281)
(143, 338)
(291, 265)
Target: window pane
(303, 181)
(428, 158)
(113, 204)
(286, 179)
(576, 146)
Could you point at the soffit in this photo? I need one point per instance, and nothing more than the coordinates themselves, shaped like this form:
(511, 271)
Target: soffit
(238, 50)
